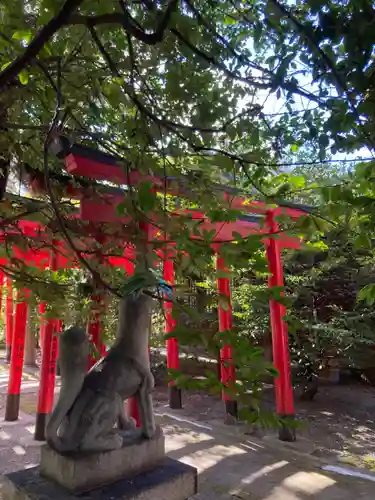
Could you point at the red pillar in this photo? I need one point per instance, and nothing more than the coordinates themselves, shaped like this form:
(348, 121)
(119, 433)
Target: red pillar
(17, 356)
(59, 329)
(9, 320)
(59, 325)
(1, 291)
(173, 362)
(133, 411)
(53, 364)
(42, 323)
(280, 349)
(228, 376)
(47, 370)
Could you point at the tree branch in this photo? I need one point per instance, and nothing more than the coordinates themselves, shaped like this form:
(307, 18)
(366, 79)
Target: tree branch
(272, 84)
(128, 23)
(169, 125)
(37, 44)
(224, 43)
(341, 85)
(307, 34)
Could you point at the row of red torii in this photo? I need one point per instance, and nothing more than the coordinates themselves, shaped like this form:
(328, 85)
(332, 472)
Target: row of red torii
(101, 208)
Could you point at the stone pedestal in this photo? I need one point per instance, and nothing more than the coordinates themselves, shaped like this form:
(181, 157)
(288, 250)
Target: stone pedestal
(83, 472)
(139, 471)
(171, 480)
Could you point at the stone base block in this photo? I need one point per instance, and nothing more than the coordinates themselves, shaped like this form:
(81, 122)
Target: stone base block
(78, 472)
(171, 480)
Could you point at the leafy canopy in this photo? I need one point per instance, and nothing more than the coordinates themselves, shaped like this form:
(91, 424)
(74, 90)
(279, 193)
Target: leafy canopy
(235, 92)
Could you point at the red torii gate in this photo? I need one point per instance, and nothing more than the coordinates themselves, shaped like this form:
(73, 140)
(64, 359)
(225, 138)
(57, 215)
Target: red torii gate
(100, 167)
(96, 165)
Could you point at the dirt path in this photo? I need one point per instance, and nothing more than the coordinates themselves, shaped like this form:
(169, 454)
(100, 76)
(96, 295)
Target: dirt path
(341, 421)
(339, 424)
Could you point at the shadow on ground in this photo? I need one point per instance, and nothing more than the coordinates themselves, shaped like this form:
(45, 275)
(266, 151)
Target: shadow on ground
(244, 468)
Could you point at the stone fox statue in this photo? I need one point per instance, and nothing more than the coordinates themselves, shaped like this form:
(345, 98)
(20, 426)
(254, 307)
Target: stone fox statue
(89, 414)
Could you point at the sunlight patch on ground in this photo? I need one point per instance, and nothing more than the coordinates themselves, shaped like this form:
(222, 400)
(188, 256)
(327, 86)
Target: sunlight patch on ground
(252, 445)
(301, 485)
(264, 471)
(280, 493)
(4, 436)
(183, 420)
(18, 450)
(209, 457)
(30, 466)
(366, 461)
(308, 482)
(180, 441)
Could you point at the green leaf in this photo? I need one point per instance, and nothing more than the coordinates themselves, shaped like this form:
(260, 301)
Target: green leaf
(228, 20)
(24, 77)
(138, 282)
(121, 208)
(275, 373)
(37, 217)
(146, 197)
(47, 49)
(367, 294)
(221, 273)
(363, 241)
(23, 36)
(323, 140)
(276, 291)
(224, 302)
(223, 161)
(294, 148)
(209, 235)
(237, 236)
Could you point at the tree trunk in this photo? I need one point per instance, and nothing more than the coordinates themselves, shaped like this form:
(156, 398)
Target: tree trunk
(4, 174)
(201, 300)
(30, 343)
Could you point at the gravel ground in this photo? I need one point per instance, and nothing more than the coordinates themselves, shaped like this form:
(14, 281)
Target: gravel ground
(339, 422)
